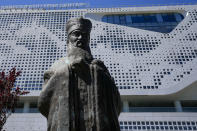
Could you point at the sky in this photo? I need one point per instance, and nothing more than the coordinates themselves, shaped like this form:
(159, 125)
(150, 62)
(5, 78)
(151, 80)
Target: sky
(96, 3)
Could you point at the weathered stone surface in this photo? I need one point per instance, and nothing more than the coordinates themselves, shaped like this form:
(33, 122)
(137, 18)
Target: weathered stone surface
(78, 92)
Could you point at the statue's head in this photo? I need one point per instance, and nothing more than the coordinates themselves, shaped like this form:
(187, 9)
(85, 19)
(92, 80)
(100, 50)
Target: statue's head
(78, 31)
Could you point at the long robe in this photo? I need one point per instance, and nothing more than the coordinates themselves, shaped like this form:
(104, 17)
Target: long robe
(71, 102)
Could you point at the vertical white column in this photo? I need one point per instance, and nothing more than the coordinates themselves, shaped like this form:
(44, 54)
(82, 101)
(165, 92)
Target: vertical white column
(178, 106)
(125, 106)
(26, 107)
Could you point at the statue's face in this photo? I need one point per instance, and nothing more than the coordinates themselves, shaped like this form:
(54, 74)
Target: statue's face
(79, 38)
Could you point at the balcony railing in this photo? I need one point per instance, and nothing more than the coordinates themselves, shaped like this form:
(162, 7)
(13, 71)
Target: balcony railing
(31, 110)
(159, 109)
(152, 109)
(189, 109)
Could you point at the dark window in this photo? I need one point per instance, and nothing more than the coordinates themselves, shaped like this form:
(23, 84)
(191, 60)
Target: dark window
(150, 19)
(122, 19)
(110, 19)
(116, 19)
(168, 17)
(165, 24)
(137, 19)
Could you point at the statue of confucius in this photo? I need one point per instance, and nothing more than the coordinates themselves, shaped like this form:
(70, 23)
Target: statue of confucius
(78, 92)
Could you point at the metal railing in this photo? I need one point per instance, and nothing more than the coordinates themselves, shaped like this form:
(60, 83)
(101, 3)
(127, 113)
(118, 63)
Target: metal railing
(131, 109)
(189, 109)
(159, 109)
(142, 5)
(31, 110)
(46, 6)
(152, 109)
(81, 6)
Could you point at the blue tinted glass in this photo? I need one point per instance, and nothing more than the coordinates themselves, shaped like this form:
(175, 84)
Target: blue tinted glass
(104, 19)
(128, 19)
(116, 19)
(122, 19)
(150, 19)
(137, 19)
(110, 19)
(168, 18)
(140, 20)
(178, 17)
(182, 17)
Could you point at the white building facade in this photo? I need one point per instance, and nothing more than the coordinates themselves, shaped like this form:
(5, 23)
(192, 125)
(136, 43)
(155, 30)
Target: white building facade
(150, 51)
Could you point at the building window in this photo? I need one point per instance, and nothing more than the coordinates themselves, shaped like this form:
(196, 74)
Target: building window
(160, 22)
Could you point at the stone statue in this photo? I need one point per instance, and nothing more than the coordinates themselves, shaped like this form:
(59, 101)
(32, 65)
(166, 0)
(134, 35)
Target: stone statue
(78, 92)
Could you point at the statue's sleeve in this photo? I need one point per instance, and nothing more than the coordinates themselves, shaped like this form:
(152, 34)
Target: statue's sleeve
(116, 97)
(113, 90)
(46, 93)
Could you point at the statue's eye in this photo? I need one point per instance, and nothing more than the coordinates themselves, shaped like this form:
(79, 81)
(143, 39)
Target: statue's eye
(76, 33)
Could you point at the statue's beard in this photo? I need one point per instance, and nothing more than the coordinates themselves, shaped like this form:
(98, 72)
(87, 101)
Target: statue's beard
(74, 52)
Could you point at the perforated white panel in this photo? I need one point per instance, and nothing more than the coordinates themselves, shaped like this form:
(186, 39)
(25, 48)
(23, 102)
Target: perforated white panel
(142, 62)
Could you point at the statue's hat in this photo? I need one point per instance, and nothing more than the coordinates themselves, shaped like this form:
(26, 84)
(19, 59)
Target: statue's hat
(78, 24)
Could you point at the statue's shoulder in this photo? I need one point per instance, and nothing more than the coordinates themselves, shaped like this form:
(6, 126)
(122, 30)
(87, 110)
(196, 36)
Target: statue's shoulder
(99, 63)
(59, 64)
(102, 66)
(57, 67)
